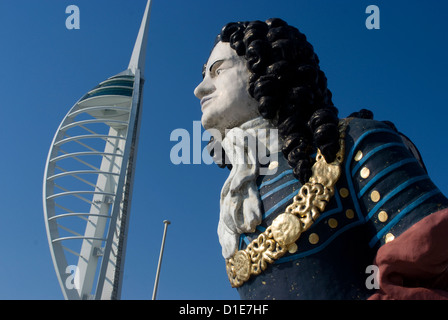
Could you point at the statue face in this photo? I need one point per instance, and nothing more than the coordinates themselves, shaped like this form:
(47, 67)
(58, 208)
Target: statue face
(225, 101)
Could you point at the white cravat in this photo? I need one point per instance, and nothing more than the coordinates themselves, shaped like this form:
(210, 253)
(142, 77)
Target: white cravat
(240, 205)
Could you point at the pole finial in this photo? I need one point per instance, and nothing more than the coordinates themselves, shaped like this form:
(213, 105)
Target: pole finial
(156, 283)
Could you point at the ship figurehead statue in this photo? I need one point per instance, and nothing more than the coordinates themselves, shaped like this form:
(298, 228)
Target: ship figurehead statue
(314, 204)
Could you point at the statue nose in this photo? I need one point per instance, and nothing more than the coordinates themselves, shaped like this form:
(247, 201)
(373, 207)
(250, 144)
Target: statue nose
(203, 89)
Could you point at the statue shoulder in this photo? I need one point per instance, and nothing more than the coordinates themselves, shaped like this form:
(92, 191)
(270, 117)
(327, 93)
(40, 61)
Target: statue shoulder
(388, 180)
(358, 128)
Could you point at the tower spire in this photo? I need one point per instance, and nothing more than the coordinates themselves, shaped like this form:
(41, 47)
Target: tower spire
(139, 52)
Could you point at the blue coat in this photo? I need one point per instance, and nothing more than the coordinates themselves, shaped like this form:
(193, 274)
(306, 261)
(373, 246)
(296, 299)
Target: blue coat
(383, 190)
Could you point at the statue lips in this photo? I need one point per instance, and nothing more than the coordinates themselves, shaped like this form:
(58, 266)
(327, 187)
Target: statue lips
(204, 101)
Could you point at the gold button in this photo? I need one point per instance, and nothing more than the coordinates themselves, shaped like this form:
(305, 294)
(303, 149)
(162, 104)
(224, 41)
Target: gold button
(313, 238)
(382, 216)
(350, 214)
(344, 192)
(333, 223)
(365, 173)
(358, 155)
(389, 237)
(292, 248)
(273, 165)
(375, 196)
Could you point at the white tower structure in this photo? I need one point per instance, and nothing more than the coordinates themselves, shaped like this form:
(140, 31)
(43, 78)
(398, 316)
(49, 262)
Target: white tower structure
(88, 179)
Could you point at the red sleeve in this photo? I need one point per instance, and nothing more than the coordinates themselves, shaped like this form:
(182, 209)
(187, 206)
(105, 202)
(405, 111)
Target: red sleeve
(414, 266)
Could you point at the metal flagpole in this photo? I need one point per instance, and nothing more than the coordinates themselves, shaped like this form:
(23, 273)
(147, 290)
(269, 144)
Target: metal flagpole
(166, 222)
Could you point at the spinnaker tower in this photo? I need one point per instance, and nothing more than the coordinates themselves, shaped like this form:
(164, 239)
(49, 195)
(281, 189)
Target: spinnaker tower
(88, 181)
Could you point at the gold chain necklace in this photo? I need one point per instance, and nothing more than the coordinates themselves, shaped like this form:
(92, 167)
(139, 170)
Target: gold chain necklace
(285, 230)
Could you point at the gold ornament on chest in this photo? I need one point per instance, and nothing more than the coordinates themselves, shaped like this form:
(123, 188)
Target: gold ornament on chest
(281, 236)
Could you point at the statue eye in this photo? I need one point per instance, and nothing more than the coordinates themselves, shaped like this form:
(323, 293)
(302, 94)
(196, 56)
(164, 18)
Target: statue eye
(216, 69)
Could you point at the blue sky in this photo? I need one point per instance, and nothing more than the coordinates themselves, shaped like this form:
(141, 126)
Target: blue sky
(398, 71)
